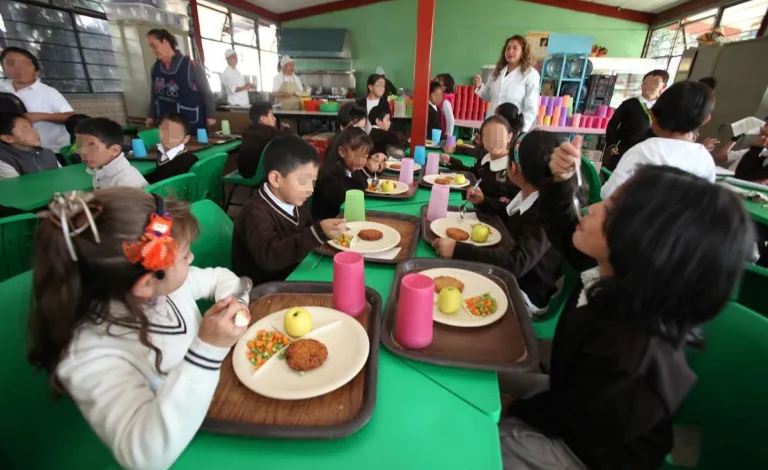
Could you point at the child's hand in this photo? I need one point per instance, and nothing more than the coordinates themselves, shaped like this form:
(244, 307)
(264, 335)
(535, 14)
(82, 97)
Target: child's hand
(476, 197)
(445, 159)
(333, 228)
(566, 159)
(444, 247)
(218, 327)
(375, 162)
(710, 143)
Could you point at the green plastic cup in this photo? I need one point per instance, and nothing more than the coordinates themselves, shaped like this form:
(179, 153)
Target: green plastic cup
(354, 206)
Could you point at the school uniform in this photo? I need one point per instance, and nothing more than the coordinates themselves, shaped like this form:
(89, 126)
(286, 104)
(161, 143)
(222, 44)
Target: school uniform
(271, 237)
(532, 259)
(434, 119)
(382, 139)
(447, 119)
(118, 172)
(146, 417)
(753, 164)
(613, 386)
(173, 162)
(332, 185)
(628, 127)
(16, 162)
(368, 105)
(495, 184)
(689, 156)
(41, 98)
(255, 140)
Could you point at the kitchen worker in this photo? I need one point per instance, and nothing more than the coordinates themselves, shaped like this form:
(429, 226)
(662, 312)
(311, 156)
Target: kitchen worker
(234, 83)
(179, 85)
(47, 109)
(389, 87)
(514, 80)
(287, 85)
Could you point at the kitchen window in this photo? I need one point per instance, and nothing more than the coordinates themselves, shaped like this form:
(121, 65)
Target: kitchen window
(254, 40)
(73, 45)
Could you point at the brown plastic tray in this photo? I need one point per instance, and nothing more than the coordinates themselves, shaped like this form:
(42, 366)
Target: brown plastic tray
(494, 221)
(470, 177)
(408, 226)
(408, 195)
(236, 410)
(508, 345)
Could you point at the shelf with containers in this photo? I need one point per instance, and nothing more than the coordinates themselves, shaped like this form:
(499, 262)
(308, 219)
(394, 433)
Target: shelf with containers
(565, 74)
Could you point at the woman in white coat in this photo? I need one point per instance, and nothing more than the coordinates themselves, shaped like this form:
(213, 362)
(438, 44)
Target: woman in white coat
(514, 80)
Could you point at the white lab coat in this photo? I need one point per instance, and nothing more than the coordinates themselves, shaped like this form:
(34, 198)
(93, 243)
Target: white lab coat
(280, 79)
(232, 78)
(520, 89)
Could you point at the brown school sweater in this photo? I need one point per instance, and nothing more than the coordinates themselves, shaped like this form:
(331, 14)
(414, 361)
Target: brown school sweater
(382, 139)
(332, 186)
(751, 166)
(532, 259)
(180, 164)
(268, 243)
(255, 140)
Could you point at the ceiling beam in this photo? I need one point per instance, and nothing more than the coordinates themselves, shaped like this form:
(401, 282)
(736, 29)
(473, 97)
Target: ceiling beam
(326, 8)
(598, 9)
(251, 8)
(686, 9)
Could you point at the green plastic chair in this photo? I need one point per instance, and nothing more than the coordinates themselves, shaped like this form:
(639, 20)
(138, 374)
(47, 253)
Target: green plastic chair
(751, 291)
(728, 403)
(38, 431)
(213, 248)
(592, 179)
(17, 234)
(209, 177)
(151, 137)
(236, 179)
(545, 325)
(605, 173)
(67, 152)
(180, 187)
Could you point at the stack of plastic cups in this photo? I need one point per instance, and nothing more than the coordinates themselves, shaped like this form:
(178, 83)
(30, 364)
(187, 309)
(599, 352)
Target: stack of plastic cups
(563, 117)
(550, 107)
(610, 112)
(547, 120)
(586, 121)
(576, 120)
(555, 120)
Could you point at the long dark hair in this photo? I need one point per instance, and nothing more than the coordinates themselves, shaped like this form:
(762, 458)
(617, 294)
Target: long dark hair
(525, 56)
(372, 79)
(512, 114)
(448, 82)
(678, 245)
(352, 138)
(69, 294)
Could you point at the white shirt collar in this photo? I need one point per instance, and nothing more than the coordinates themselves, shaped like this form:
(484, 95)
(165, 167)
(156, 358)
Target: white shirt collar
(288, 208)
(348, 173)
(434, 106)
(588, 277)
(648, 104)
(8, 85)
(500, 164)
(518, 204)
(169, 155)
(112, 168)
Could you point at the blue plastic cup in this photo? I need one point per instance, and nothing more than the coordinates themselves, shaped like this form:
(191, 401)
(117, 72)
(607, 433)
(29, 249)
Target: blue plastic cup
(420, 155)
(139, 149)
(202, 136)
(437, 134)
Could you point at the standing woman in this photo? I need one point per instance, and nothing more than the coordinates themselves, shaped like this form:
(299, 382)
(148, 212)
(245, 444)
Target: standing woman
(514, 80)
(179, 85)
(287, 85)
(376, 96)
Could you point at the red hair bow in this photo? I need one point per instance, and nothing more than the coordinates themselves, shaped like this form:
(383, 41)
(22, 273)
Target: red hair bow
(156, 249)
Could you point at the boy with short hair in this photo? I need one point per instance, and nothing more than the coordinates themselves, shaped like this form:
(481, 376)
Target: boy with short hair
(631, 123)
(99, 143)
(350, 114)
(256, 137)
(381, 135)
(274, 230)
(434, 115)
(173, 159)
(20, 150)
(677, 116)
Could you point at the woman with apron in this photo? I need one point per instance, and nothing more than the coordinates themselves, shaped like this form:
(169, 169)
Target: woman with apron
(286, 86)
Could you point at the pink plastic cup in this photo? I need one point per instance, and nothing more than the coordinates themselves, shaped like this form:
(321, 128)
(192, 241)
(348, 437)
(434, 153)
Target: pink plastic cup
(349, 283)
(577, 120)
(438, 202)
(433, 164)
(406, 171)
(610, 112)
(586, 121)
(415, 306)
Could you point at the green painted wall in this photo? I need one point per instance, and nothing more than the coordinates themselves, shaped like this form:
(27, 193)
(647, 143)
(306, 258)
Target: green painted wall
(467, 34)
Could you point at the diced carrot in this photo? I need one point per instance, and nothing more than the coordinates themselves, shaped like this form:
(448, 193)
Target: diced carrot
(259, 344)
(285, 340)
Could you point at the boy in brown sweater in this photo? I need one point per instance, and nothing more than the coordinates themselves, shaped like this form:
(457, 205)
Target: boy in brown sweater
(274, 231)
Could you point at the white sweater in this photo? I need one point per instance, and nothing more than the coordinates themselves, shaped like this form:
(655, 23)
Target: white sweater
(145, 418)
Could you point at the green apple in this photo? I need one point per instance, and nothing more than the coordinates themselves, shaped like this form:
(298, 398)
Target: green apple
(460, 179)
(388, 186)
(480, 233)
(297, 322)
(449, 300)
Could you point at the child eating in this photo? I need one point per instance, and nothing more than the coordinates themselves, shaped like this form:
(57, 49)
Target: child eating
(173, 159)
(532, 259)
(677, 116)
(115, 324)
(99, 141)
(274, 231)
(341, 172)
(20, 151)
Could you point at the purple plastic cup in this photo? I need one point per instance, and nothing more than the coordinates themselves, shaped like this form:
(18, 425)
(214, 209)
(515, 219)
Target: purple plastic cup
(406, 171)
(438, 202)
(450, 141)
(558, 101)
(415, 307)
(563, 117)
(349, 283)
(602, 111)
(433, 164)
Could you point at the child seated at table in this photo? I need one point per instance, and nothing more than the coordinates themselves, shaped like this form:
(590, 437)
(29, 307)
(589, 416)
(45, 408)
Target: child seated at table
(100, 141)
(531, 258)
(447, 118)
(508, 111)
(20, 150)
(677, 116)
(434, 114)
(115, 322)
(753, 163)
(661, 256)
(173, 159)
(350, 114)
(729, 158)
(341, 172)
(274, 231)
(256, 137)
(381, 135)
